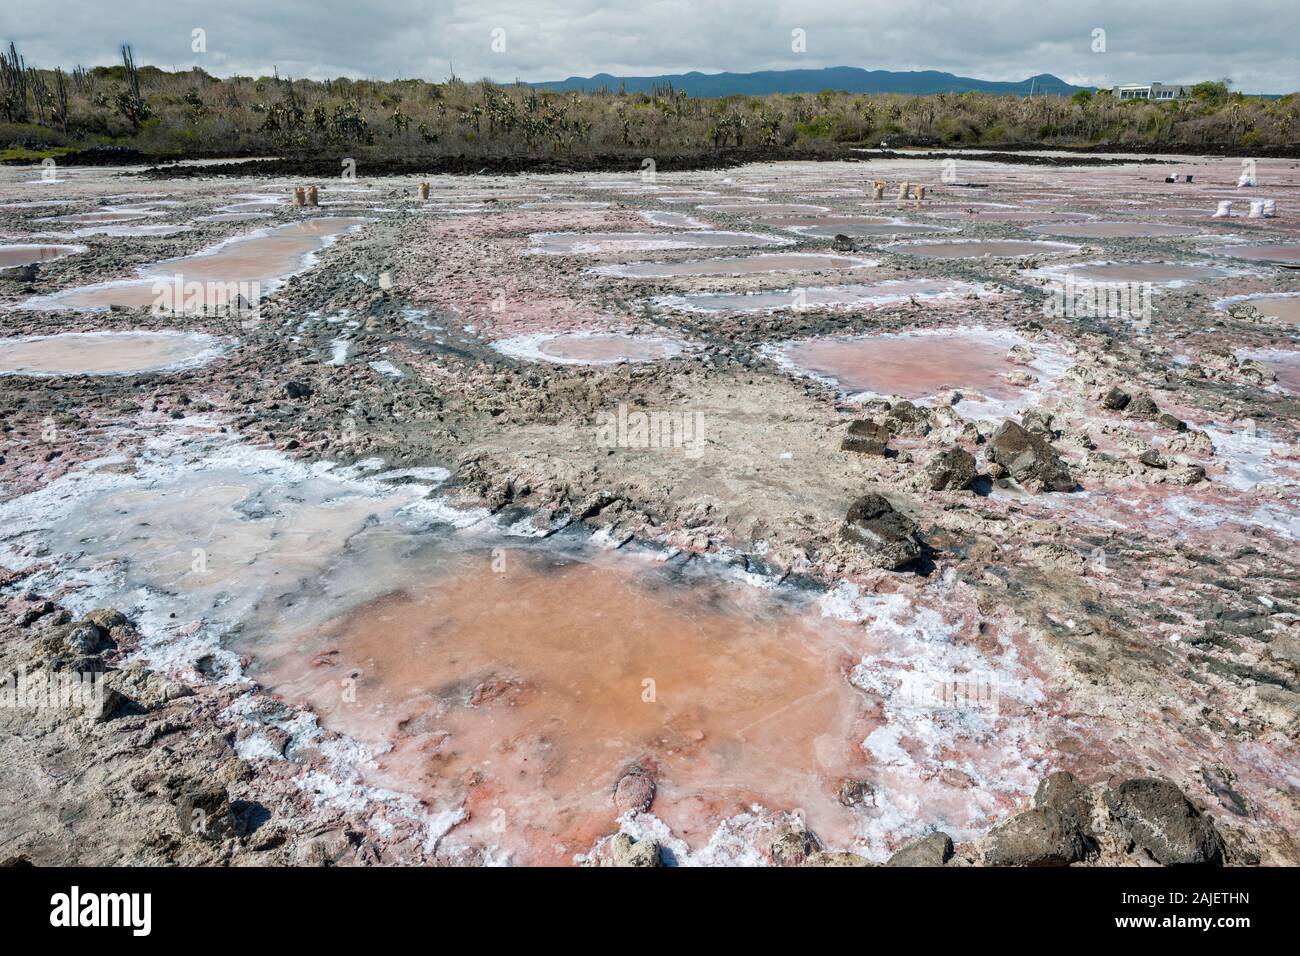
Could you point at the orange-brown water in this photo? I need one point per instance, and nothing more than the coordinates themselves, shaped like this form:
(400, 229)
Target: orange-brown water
(1114, 230)
(912, 366)
(1148, 272)
(1285, 308)
(102, 353)
(260, 258)
(25, 254)
(524, 692)
(998, 249)
(1285, 252)
(1287, 367)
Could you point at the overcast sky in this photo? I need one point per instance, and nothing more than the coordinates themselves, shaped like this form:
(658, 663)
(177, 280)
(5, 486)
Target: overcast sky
(1250, 41)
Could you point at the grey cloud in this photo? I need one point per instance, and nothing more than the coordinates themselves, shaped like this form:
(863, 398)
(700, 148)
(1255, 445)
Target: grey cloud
(994, 39)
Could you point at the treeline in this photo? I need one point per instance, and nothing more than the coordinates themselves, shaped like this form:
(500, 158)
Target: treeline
(161, 113)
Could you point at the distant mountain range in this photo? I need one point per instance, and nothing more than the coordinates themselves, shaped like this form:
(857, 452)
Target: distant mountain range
(849, 79)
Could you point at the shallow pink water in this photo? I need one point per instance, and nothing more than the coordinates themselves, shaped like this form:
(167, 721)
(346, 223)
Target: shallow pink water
(1115, 230)
(1149, 272)
(997, 249)
(1282, 307)
(261, 259)
(524, 692)
(25, 254)
(913, 366)
(1286, 252)
(601, 349)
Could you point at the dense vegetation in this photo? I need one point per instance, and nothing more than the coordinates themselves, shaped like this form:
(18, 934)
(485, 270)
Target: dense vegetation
(160, 113)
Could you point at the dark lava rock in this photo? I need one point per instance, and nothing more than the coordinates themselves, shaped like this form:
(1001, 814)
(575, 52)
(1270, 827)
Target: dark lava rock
(1039, 422)
(1039, 837)
(793, 847)
(297, 390)
(932, 850)
(951, 469)
(905, 418)
(1153, 459)
(1029, 459)
(1142, 405)
(866, 438)
(873, 524)
(1063, 793)
(205, 812)
(1172, 422)
(1157, 817)
(1116, 399)
(74, 647)
(23, 273)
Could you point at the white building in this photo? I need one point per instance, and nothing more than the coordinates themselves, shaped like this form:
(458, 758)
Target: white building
(1151, 91)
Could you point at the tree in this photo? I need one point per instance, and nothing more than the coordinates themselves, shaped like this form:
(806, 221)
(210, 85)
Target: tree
(1211, 91)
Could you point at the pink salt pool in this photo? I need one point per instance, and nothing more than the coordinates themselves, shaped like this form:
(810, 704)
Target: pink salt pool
(1115, 230)
(829, 229)
(589, 243)
(261, 258)
(1007, 215)
(1155, 272)
(913, 366)
(106, 353)
(735, 265)
(590, 348)
(1285, 364)
(981, 248)
(1285, 253)
(521, 686)
(24, 254)
(1284, 308)
(108, 216)
(765, 210)
(857, 295)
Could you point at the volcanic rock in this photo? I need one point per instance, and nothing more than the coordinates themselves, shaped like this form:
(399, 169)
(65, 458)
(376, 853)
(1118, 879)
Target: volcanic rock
(952, 469)
(1143, 406)
(793, 847)
(1039, 837)
(1156, 816)
(866, 438)
(1116, 399)
(932, 850)
(1063, 793)
(1029, 459)
(872, 523)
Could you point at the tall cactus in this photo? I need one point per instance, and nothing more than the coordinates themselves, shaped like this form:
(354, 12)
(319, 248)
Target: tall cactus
(13, 86)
